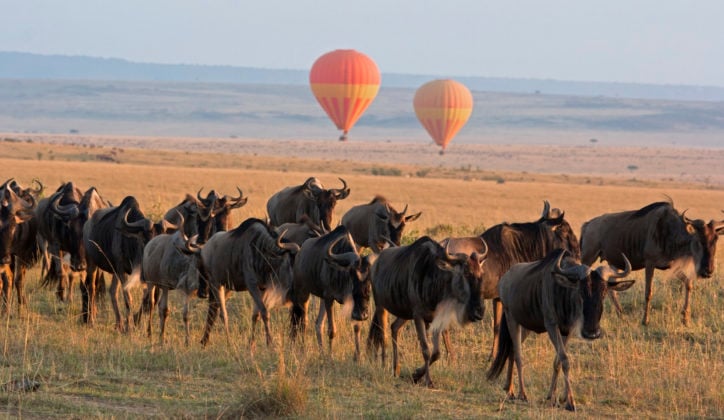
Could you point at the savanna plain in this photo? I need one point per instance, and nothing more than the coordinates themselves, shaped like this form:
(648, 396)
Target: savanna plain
(662, 370)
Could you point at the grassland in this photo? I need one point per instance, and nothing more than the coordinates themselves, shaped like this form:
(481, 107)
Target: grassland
(663, 370)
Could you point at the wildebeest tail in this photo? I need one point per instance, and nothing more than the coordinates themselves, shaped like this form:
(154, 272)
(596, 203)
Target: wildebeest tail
(376, 337)
(505, 349)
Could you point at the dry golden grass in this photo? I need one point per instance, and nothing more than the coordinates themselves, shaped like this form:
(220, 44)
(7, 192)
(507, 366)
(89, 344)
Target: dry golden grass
(663, 370)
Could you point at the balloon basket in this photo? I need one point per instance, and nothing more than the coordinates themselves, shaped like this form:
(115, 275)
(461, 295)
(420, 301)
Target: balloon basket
(343, 137)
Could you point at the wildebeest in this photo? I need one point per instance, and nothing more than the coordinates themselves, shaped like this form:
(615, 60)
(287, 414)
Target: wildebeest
(377, 224)
(18, 239)
(423, 282)
(555, 295)
(310, 198)
(511, 243)
(250, 257)
(222, 211)
(188, 213)
(114, 238)
(170, 262)
(330, 268)
(656, 236)
(300, 232)
(61, 218)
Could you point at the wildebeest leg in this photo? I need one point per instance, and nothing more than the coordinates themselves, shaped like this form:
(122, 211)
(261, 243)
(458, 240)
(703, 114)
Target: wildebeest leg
(212, 313)
(649, 272)
(113, 292)
(331, 329)
(424, 370)
(20, 283)
(149, 290)
(187, 328)
(88, 293)
(223, 294)
(448, 347)
(256, 296)
(561, 358)
(616, 304)
(554, 380)
(395, 328)
(377, 334)
(319, 324)
(497, 317)
(688, 285)
(163, 312)
(7, 287)
(356, 341)
(516, 334)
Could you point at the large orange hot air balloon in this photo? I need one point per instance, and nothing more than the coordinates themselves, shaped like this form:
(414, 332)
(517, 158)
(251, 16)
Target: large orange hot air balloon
(443, 107)
(344, 82)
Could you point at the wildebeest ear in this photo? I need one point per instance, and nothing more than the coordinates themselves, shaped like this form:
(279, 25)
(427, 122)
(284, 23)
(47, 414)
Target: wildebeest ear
(413, 217)
(690, 229)
(620, 286)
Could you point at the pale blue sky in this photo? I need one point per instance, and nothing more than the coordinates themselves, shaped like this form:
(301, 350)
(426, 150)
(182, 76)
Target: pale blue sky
(663, 42)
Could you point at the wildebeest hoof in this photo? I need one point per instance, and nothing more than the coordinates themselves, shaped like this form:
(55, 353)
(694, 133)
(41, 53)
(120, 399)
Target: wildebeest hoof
(419, 373)
(202, 293)
(571, 407)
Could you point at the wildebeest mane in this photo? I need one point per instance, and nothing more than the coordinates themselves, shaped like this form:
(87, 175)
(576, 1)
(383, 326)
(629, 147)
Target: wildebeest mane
(378, 199)
(642, 212)
(518, 242)
(246, 224)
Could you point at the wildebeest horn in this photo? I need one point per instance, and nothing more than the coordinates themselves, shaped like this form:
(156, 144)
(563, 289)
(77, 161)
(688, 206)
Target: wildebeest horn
(5, 184)
(484, 254)
(238, 201)
(346, 259)
(456, 258)
(287, 246)
(546, 209)
(389, 241)
(142, 224)
(40, 188)
(198, 195)
(343, 192)
(66, 211)
(402, 213)
(622, 273)
(579, 271)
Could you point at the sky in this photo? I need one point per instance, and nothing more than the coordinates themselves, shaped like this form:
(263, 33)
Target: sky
(638, 41)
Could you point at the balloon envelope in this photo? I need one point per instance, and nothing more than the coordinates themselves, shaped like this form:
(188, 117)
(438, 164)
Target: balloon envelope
(443, 107)
(344, 82)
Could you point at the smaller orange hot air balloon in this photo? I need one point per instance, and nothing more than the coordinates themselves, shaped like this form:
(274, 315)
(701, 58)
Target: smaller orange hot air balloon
(443, 107)
(344, 82)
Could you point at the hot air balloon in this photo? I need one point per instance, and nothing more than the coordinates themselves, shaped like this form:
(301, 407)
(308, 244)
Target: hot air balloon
(443, 107)
(344, 82)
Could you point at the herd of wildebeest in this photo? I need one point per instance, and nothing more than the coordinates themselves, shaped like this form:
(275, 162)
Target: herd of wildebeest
(538, 274)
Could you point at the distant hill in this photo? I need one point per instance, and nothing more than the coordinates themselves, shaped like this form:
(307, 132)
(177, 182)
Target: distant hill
(18, 65)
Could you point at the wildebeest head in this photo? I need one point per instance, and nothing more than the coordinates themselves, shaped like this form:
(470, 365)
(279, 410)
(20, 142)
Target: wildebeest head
(206, 212)
(467, 281)
(193, 278)
(564, 236)
(704, 237)
(14, 211)
(392, 222)
(222, 211)
(138, 230)
(65, 204)
(342, 255)
(592, 286)
(325, 199)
